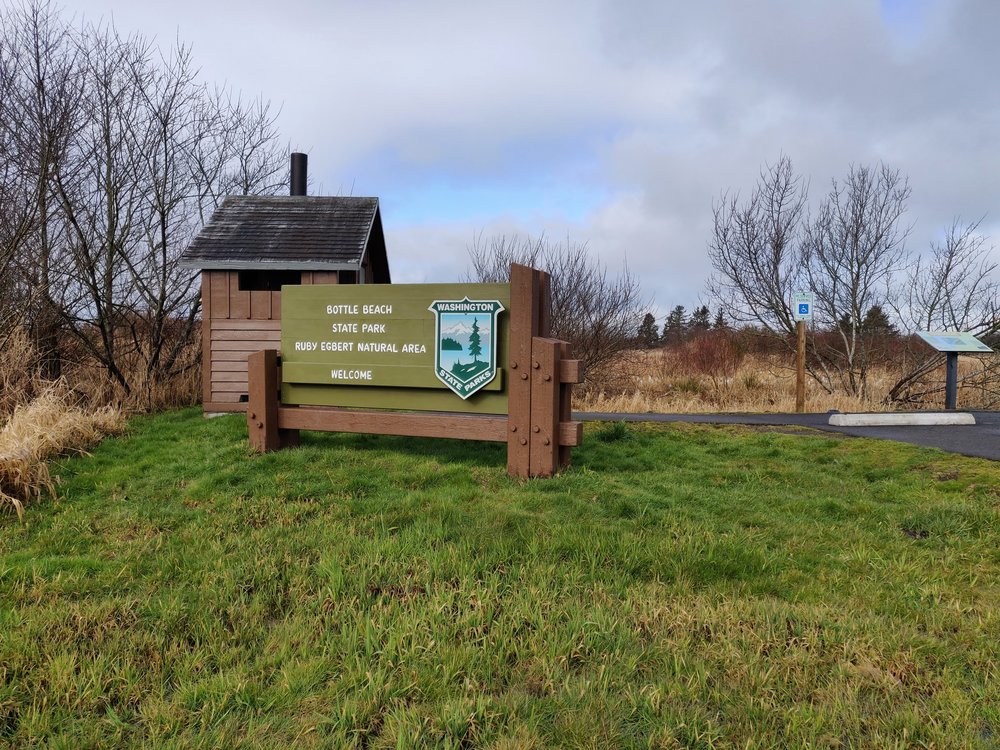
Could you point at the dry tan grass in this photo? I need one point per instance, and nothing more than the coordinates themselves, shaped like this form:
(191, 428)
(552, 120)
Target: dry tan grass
(147, 394)
(19, 381)
(669, 381)
(43, 419)
(50, 425)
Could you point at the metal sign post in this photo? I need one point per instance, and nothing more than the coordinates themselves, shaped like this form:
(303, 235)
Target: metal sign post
(951, 343)
(951, 380)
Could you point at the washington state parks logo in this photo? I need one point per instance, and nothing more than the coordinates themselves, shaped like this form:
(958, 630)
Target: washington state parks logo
(465, 356)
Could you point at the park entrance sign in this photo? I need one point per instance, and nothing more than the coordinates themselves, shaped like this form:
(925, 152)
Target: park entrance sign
(467, 361)
(419, 347)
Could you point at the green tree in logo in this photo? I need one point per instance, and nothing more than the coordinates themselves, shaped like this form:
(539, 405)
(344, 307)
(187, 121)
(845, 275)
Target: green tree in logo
(474, 340)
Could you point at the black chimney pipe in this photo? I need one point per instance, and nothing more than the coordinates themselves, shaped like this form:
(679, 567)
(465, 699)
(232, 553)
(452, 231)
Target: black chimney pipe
(300, 168)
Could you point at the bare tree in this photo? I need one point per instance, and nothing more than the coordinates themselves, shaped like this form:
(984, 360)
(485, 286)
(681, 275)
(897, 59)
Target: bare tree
(111, 155)
(597, 313)
(766, 247)
(854, 250)
(953, 288)
(40, 96)
(236, 149)
(17, 219)
(186, 123)
(101, 194)
(754, 248)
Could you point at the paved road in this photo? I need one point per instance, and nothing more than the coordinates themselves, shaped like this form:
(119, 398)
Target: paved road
(981, 439)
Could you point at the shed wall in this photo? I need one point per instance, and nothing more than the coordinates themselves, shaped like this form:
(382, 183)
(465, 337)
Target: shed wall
(235, 324)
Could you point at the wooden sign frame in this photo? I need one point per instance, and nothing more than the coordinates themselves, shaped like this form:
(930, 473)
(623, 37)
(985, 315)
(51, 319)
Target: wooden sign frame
(537, 428)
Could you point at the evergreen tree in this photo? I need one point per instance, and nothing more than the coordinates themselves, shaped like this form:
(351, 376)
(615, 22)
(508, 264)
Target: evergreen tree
(876, 321)
(699, 318)
(675, 326)
(720, 321)
(648, 336)
(474, 341)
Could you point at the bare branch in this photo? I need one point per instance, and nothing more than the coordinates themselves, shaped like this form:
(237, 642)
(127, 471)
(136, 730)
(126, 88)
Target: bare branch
(597, 313)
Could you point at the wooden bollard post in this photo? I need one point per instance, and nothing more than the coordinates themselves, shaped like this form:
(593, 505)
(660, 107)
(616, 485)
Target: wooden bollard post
(570, 373)
(262, 409)
(524, 319)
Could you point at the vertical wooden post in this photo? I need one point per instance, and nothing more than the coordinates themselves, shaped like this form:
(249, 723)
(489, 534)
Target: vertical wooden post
(565, 403)
(287, 438)
(262, 409)
(544, 441)
(800, 368)
(524, 313)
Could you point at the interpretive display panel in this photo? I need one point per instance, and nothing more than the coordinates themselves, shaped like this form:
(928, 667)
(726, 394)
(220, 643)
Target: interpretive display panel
(954, 341)
(427, 347)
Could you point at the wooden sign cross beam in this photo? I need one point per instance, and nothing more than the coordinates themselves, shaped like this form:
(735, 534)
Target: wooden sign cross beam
(537, 428)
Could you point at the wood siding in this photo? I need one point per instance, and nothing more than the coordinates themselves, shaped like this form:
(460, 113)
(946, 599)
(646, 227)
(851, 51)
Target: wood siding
(238, 323)
(232, 341)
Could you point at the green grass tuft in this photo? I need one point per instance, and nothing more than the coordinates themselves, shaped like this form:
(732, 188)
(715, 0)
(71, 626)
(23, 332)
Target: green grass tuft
(613, 432)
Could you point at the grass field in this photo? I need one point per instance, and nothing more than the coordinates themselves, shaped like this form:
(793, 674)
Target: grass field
(679, 586)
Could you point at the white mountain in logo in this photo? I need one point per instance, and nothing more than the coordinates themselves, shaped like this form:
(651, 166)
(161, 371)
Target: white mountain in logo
(463, 328)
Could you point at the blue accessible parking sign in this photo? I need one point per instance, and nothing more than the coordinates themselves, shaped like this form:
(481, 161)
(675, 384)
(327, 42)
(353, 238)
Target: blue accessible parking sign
(802, 306)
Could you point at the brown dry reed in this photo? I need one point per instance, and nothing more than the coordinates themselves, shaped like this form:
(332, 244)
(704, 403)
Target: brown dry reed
(19, 379)
(49, 425)
(41, 421)
(693, 379)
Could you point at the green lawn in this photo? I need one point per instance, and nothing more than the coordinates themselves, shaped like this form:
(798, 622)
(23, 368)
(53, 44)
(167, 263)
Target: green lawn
(679, 586)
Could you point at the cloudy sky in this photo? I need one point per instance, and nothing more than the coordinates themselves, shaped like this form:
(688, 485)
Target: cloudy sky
(612, 123)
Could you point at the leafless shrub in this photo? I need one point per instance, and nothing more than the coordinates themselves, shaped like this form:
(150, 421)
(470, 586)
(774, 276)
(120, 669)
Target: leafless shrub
(715, 355)
(596, 312)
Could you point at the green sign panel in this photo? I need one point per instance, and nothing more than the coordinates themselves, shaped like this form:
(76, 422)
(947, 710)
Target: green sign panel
(439, 347)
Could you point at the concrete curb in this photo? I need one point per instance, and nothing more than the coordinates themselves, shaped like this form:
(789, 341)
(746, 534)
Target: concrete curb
(901, 420)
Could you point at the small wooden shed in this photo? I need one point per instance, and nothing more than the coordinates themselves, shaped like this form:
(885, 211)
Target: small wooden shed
(251, 247)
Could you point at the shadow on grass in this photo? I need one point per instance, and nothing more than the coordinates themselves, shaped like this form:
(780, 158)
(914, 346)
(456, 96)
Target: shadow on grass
(443, 450)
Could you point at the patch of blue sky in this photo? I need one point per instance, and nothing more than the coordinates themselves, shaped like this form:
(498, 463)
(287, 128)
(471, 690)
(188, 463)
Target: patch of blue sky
(907, 19)
(445, 200)
(522, 179)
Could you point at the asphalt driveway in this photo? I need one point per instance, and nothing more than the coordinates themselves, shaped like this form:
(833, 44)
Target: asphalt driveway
(981, 440)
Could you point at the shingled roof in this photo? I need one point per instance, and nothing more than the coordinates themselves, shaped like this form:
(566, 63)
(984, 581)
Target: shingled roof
(291, 232)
